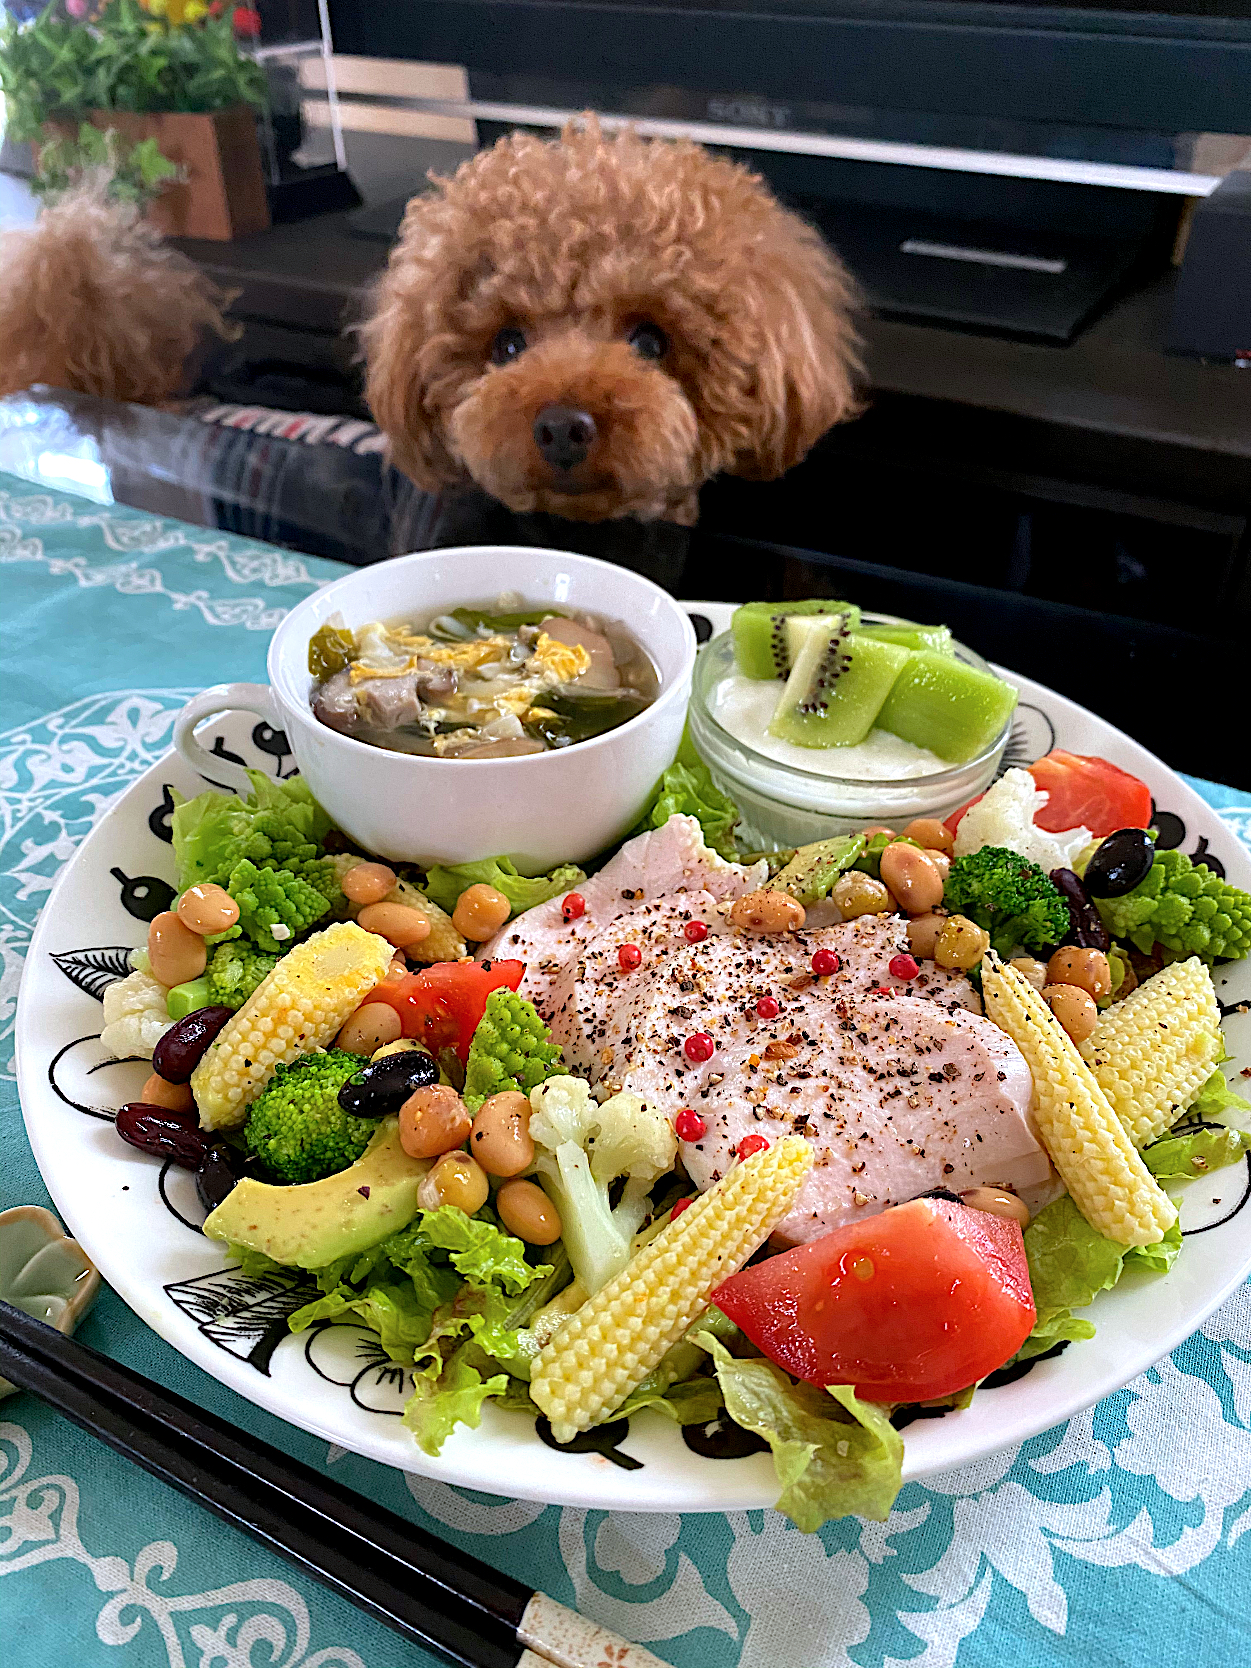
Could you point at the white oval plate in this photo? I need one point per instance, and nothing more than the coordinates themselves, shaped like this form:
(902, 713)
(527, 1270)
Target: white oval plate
(137, 1220)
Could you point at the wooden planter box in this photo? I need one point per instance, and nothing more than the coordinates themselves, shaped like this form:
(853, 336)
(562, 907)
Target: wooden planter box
(224, 195)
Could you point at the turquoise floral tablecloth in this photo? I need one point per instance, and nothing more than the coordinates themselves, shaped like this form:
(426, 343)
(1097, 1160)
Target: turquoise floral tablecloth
(1120, 1539)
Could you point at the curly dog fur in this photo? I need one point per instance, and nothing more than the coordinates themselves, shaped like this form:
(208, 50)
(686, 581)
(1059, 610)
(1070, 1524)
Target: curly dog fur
(574, 242)
(92, 300)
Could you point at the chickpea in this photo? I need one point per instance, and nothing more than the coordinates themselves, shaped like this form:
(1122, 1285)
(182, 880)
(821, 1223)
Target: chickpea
(999, 1202)
(1074, 1008)
(923, 931)
(961, 944)
(859, 894)
(207, 909)
(880, 828)
(480, 912)
(454, 1179)
(1033, 970)
(941, 862)
(368, 883)
(175, 1097)
(1087, 969)
(176, 953)
(767, 911)
(525, 1210)
(500, 1140)
(372, 1025)
(931, 834)
(435, 1120)
(397, 970)
(397, 923)
(912, 878)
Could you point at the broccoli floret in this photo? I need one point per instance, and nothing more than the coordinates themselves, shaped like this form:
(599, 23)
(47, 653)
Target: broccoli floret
(270, 898)
(1009, 896)
(511, 1049)
(581, 1149)
(234, 971)
(298, 1130)
(1186, 908)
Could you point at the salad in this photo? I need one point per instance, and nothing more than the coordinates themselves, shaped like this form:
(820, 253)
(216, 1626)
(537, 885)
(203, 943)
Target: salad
(789, 1147)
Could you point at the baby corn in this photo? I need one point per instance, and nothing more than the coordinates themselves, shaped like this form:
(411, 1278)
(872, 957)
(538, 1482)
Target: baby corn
(615, 1339)
(300, 1006)
(1153, 1052)
(1108, 1180)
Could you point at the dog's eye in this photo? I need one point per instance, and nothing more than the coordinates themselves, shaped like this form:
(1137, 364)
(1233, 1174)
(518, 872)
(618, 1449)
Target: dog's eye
(649, 341)
(507, 345)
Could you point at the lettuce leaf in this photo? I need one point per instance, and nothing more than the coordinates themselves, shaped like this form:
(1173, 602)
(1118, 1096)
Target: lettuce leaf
(687, 788)
(1216, 1100)
(1070, 1264)
(395, 1312)
(480, 1251)
(834, 1454)
(445, 883)
(1185, 1154)
(697, 1401)
(455, 1398)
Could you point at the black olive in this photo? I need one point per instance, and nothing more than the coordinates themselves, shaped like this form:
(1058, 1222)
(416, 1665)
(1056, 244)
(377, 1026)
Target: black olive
(1086, 928)
(1121, 862)
(217, 1175)
(379, 1089)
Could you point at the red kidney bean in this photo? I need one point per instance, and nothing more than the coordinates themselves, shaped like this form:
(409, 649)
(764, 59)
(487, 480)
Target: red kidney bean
(164, 1134)
(180, 1050)
(1086, 928)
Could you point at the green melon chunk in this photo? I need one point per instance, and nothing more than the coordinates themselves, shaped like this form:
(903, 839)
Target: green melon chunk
(764, 647)
(909, 636)
(940, 703)
(836, 689)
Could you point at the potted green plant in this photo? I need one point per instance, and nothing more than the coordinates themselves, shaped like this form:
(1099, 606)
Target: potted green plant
(169, 71)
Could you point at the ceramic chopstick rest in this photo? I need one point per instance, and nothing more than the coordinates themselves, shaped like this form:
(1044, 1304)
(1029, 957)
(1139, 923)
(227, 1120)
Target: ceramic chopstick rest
(43, 1271)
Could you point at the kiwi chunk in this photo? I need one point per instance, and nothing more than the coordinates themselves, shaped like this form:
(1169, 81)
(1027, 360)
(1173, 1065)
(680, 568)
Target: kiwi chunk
(769, 635)
(940, 703)
(911, 636)
(836, 689)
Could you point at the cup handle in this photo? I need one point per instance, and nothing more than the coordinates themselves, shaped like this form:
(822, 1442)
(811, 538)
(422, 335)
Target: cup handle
(222, 697)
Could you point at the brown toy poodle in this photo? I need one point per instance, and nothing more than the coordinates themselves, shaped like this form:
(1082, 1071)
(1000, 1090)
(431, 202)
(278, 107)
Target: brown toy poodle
(594, 326)
(93, 301)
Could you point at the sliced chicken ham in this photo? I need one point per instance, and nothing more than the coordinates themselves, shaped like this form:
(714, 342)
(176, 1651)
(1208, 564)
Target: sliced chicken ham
(900, 1085)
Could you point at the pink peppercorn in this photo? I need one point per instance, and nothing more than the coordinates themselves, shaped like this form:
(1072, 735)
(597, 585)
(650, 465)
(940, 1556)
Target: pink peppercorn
(767, 1007)
(573, 906)
(695, 931)
(825, 962)
(904, 967)
(681, 1205)
(629, 957)
(689, 1126)
(751, 1144)
(699, 1047)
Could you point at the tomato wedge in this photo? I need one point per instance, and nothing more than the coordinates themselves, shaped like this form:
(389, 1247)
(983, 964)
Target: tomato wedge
(1085, 792)
(441, 1005)
(1089, 792)
(918, 1302)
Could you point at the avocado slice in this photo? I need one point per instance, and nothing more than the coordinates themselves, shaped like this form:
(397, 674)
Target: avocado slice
(813, 870)
(312, 1224)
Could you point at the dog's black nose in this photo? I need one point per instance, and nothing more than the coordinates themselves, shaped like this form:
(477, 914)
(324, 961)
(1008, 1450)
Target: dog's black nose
(564, 436)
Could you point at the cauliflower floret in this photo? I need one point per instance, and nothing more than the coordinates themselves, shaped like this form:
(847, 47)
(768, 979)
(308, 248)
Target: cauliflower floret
(1004, 816)
(135, 1016)
(581, 1149)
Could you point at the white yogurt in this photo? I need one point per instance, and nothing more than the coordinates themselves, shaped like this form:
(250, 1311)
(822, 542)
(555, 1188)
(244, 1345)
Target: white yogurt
(745, 707)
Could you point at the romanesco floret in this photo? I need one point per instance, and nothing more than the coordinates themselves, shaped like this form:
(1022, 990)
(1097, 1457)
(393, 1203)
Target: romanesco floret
(296, 1127)
(234, 971)
(1185, 907)
(581, 1149)
(1008, 895)
(274, 898)
(135, 1015)
(511, 1049)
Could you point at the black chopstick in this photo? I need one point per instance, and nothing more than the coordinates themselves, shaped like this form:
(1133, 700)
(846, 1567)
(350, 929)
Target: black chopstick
(444, 1600)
